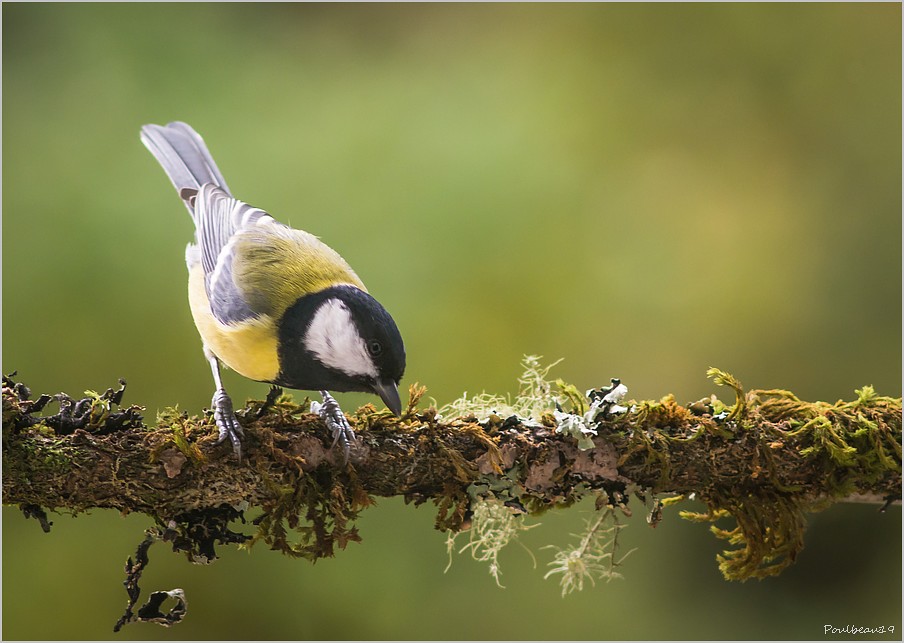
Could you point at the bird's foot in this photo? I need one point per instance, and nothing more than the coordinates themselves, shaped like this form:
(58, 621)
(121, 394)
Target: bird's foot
(227, 423)
(335, 419)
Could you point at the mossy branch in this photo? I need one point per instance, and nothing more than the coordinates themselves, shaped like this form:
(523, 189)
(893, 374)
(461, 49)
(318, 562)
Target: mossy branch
(763, 460)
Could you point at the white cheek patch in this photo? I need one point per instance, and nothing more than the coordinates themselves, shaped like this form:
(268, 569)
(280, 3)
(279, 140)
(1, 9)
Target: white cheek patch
(334, 339)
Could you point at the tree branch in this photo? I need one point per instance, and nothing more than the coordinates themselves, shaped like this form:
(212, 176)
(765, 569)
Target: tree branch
(765, 461)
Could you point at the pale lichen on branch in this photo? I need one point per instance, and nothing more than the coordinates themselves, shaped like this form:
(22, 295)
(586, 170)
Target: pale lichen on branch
(596, 556)
(765, 460)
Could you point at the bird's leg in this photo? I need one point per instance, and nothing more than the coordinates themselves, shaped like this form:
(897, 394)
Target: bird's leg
(335, 419)
(223, 413)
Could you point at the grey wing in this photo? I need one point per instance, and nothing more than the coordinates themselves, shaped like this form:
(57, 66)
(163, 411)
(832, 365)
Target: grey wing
(218, 219)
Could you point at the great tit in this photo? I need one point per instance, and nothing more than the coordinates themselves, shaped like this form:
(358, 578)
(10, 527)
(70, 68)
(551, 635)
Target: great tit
(273, 303)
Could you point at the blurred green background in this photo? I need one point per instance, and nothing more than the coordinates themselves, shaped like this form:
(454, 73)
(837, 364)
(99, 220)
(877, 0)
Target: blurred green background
(642, 190)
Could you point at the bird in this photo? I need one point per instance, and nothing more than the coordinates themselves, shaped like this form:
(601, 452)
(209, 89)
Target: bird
(271, 302)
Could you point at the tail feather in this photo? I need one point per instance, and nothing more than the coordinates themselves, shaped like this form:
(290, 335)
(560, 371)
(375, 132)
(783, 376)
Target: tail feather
(181, 152)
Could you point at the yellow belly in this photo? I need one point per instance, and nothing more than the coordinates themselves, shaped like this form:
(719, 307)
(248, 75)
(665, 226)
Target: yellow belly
(248, 348)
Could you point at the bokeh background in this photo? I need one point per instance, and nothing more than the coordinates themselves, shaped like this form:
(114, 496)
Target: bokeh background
(642, 190)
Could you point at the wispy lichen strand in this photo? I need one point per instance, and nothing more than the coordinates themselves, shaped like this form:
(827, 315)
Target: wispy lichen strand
(594, 557)
(493, 527)
(534, 398)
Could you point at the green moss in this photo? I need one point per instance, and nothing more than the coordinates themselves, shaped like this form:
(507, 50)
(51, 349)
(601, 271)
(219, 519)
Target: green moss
(852, 440)
(727, 379)
(175, 429)
(318, 510)
(576, 401)
(784, 453)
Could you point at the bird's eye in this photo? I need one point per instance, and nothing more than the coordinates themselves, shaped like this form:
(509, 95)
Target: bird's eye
(374, 347)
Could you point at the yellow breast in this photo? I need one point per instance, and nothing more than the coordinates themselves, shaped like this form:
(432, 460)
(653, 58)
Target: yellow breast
(248, 348)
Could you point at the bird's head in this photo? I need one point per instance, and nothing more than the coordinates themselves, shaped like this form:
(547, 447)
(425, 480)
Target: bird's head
(341, 339)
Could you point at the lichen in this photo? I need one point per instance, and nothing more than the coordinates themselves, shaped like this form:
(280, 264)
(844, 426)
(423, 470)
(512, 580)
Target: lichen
(762, 461)
(593, 558)
(494, 525)
(534, 398)
(498, 499)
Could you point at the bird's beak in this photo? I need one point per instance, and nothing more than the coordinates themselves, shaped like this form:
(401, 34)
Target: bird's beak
(389, 393)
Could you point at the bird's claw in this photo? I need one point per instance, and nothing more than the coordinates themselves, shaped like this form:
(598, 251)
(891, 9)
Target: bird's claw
(335, 419)
(227, 423)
